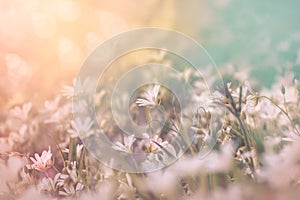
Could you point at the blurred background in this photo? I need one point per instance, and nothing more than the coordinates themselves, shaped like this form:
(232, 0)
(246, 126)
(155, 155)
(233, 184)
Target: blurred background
(43, 43)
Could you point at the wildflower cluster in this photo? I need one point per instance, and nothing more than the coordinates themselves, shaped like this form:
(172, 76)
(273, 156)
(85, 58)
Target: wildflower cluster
(253, 143)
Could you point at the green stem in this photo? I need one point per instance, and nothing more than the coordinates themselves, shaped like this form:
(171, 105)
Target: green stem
(186, 139)
(247, 143)
(238, 133)
(209, 182)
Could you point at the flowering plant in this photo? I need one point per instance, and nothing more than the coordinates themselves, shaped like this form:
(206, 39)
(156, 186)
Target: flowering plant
(256, 140)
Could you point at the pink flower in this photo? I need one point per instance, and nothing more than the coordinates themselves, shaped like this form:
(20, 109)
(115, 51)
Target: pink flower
(43, 162)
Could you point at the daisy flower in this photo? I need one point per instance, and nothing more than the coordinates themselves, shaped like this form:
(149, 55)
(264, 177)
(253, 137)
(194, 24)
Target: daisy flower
(150, 97)
(127, 146)
(81, 127)
(21, 112)
(43, 162)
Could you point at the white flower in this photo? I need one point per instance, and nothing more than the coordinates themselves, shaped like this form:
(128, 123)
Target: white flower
(154, 143)
(43, 162)
(212, 162)
(126, 189)
(281, 169)
(267, 110)
(79, 87)
(71, 174)
(21, 112)
(153, 161)
(81, 107)
(72, 171)
(19, 136)
(59, 115)
(81, 127)
(162, 182)
(71, 190)
(252, 98)
(217, 96)
(49, 184)
(52, 105)
(79, 148)
(127, 146)
(67, 91)
(161, 153)
(150, 97)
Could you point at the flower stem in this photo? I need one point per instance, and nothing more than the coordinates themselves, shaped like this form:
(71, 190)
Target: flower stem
(284, 112)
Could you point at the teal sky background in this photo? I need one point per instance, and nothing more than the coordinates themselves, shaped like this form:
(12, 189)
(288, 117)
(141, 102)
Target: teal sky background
(263, 35)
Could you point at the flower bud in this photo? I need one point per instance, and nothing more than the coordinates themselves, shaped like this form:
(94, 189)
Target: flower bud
(282, 89)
